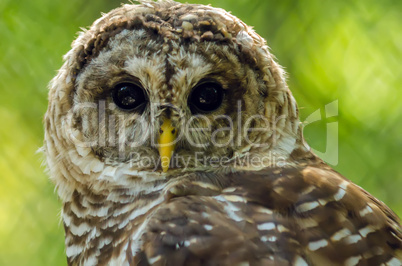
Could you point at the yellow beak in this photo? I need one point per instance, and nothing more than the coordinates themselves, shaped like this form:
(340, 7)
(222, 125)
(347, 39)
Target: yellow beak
(167, 136)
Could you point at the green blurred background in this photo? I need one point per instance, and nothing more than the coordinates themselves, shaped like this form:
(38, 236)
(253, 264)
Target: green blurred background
(347, 51)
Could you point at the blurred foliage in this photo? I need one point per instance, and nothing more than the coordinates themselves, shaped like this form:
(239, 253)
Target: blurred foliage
(348, 51)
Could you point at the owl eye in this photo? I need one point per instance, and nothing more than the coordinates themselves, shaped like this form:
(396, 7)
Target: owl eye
(206, 97)
(129, 96)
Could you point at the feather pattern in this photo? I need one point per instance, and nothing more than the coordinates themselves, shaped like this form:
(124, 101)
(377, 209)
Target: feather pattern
(119, 208)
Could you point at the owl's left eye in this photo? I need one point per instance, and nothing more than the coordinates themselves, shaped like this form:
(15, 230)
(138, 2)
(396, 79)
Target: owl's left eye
(129, 96)
(206, 97)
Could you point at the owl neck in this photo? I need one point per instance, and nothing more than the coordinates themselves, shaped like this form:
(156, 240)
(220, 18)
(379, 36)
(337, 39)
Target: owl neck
(79, 167)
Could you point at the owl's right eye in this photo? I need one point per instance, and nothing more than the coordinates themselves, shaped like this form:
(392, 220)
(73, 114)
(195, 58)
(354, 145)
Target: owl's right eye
(130, 96)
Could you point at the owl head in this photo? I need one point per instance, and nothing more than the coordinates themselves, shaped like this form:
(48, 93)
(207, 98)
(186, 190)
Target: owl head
(163, 87)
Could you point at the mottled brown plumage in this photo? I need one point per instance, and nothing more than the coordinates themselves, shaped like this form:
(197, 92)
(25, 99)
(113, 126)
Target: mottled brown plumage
(269, 200)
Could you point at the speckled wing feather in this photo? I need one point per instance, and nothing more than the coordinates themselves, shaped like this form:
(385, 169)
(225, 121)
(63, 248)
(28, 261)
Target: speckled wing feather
(296, 216)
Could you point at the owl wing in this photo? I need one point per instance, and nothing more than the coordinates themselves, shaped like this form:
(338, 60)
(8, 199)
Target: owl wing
(286, 216)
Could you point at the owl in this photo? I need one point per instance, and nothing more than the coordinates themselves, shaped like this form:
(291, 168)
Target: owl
(173, 139)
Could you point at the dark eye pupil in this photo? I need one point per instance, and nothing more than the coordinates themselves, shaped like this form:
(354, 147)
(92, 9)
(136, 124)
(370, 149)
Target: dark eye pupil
(129, 96)
(206, 97)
